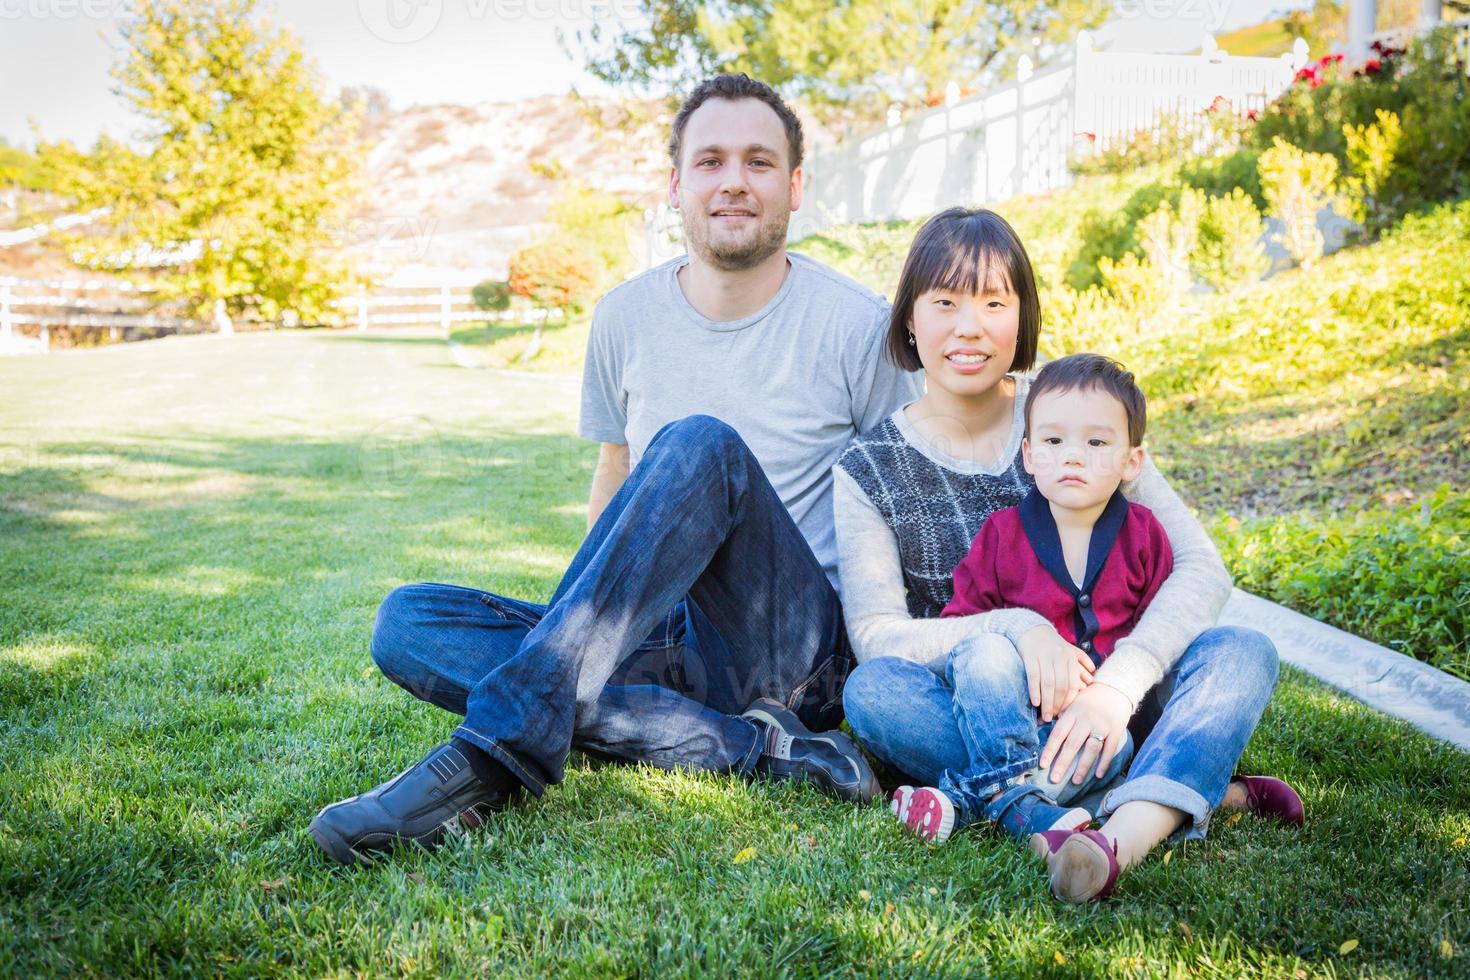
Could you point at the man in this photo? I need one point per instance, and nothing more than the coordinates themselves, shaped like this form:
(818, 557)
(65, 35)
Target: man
(698, 625)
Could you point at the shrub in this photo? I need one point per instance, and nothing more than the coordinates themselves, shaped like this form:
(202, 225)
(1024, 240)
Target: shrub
(1218, 176)
(1170, 236)
(1370, 152)
(1230, 252)
(1297, 185)
(1426, 87)
(1111, 233)
(492, 295)
(1135, 283)
(1399, 577)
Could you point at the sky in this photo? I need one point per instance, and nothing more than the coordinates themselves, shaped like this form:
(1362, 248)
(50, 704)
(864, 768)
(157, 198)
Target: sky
(55, 54)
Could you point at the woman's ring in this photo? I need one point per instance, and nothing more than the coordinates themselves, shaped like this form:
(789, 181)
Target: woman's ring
(1096, 736)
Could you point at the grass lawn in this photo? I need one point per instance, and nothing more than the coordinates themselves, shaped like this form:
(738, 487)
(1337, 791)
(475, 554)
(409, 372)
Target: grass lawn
(194, 535)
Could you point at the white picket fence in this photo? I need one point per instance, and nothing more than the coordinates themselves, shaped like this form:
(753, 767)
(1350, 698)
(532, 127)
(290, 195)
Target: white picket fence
(1019, 138)
(32, 309)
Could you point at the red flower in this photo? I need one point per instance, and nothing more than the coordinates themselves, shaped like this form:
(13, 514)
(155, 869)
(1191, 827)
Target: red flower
(1253, 115)
(1306, 75)
(1371, 67)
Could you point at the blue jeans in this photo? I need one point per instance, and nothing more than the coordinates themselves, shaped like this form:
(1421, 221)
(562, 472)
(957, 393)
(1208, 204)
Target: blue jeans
(693, 595)
(973, 729)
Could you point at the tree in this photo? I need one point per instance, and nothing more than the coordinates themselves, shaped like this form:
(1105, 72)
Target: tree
(552, 275)
(492, 295)
(598, 224)
(245, 171)
(19, 167)
(849, 61)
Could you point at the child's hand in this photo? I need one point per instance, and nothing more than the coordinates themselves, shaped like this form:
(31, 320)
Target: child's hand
(1094, 725)
(1055, 670)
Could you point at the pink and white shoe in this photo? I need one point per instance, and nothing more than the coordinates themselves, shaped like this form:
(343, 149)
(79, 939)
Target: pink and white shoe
(899, 802)
(929, 814)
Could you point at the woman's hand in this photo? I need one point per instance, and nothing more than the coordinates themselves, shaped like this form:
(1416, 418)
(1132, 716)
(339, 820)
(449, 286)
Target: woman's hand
(1056, 671)
(1094, 725)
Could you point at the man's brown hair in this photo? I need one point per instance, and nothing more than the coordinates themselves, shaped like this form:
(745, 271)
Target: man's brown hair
(735, 87)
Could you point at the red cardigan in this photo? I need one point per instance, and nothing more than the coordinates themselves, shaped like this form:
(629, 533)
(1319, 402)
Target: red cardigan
(1016, 561)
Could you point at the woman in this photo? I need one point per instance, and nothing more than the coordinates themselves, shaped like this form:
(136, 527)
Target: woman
(910, 496)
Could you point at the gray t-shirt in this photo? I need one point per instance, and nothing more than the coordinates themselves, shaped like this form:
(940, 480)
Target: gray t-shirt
(797, 379)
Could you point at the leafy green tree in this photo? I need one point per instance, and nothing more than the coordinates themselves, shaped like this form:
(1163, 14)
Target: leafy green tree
(848, 60)
(598, 223)
(19, 167)
(492, 295)
(239, 192)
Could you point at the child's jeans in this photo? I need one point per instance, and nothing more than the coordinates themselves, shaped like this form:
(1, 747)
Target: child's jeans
(973, 731)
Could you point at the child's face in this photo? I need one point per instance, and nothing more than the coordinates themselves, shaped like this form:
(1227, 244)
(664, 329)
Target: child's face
(967, 342)
(1078, 448)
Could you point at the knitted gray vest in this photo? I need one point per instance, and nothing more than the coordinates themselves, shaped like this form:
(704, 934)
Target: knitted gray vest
(934, 512)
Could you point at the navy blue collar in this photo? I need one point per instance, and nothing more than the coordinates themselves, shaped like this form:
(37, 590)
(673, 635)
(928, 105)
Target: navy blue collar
(1041, 530)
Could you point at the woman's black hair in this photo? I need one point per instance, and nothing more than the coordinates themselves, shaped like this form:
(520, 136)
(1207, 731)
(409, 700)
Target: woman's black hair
(962, 249)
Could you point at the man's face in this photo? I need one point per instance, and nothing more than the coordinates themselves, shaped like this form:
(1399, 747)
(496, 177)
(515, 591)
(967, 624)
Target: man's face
(734, 184)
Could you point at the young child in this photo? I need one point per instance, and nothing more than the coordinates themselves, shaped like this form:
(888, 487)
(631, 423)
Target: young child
(1075, 551)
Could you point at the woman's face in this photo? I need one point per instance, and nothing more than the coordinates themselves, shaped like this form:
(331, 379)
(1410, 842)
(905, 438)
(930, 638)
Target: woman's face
(966, 342)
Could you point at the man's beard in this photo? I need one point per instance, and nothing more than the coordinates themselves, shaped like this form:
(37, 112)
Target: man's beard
(735, 256)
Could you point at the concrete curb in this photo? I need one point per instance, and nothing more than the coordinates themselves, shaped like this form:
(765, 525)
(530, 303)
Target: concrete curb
(1427, 698)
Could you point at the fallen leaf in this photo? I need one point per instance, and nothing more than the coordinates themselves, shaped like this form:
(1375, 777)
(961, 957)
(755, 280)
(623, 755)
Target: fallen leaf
(811, 841)
(1445, 949)
(864, 894)
(888, 908)
(1234, 818)
(745, 855)
(417, 877)
(1059, 957)
(1168, 856)
(271, 886)
(1301, 975)
(1188, 933)
(933, 890)
(793, 828)
(1347, 947)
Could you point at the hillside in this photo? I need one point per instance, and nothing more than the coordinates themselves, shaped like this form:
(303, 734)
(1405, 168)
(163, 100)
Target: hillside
(455, 187)
(462, 187)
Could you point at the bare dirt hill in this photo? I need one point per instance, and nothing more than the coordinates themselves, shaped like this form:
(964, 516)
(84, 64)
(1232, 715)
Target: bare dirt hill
(462, 187)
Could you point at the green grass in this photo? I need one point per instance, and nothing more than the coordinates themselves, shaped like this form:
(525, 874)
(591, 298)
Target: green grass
(194, 535)
(1264, 40)
(496, 345)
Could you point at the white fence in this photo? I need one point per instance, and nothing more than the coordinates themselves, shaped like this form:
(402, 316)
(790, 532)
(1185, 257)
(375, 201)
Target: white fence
(31, 310)
(1018, 139)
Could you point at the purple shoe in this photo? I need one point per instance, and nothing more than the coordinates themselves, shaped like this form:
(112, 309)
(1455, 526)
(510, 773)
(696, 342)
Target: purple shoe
(1268, 796)
(1084, 867)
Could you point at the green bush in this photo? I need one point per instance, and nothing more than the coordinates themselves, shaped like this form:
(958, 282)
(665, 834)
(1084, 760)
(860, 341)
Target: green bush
(1298, 184)
(1426, 87)
(1218, 176)
(1230, 252)
(1111, 233)
(1399, 577)
(1169, 238)
(492, 295)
